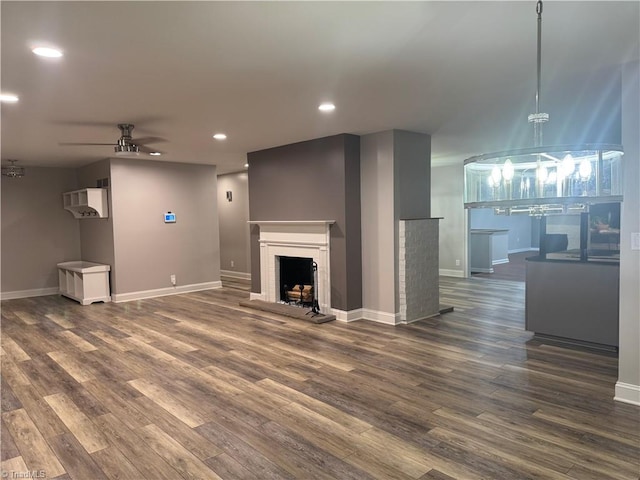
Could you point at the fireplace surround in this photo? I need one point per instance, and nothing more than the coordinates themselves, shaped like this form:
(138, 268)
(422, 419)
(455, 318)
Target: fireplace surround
(304, 239)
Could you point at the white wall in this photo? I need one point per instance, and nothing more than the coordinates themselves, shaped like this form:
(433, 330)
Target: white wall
(37, 233)
(628, 385)
(377, 219)
(148, 251)
(96, 234)
(519, 226)
(446, 201)
(234, 230)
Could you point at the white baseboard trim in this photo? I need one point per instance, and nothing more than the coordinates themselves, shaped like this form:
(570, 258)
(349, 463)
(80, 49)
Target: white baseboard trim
(232, 274)
(482, 270)
(521, 250)
(347, 315)
(627, 393)
(405, 322)
(257, 296)
(374, 316)
(445, 272)
(500, 261)
(36, 292)
(162, 292)
(381, 317)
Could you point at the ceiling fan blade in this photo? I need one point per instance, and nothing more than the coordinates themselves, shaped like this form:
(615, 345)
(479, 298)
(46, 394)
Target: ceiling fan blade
(145, 140)
(144, 120)
(80, 123)
(77, 143)
(144, 149)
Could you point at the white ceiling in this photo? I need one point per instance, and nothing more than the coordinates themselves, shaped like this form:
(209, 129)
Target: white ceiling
(463, 72)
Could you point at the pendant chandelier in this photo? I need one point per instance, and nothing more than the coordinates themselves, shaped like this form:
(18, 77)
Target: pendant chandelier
(542, 180)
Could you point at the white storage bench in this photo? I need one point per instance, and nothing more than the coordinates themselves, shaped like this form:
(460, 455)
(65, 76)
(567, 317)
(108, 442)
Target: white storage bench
(85, 282)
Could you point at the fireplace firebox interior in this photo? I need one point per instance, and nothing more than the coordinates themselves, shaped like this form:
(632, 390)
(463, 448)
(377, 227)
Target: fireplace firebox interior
(296, 280)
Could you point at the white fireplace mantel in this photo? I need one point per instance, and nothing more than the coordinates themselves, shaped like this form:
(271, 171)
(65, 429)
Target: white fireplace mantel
(296, 238)
(292, 222)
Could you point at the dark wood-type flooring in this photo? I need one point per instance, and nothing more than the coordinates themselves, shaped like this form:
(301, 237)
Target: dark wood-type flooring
(515, 270)
(195, 386)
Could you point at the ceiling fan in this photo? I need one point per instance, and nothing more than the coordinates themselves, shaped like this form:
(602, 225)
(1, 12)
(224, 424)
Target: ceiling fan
(125, 145)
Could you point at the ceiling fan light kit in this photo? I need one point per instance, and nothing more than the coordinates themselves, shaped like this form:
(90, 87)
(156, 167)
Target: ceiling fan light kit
(13, 171)
(126, 150)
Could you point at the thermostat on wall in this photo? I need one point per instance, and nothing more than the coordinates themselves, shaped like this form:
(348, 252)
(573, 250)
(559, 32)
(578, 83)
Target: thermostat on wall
(169, 217)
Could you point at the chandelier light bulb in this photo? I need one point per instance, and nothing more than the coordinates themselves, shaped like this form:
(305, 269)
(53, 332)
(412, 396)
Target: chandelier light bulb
(496, 175)
(508, 170)
(585, 169)
(541, 174)
(568, 165)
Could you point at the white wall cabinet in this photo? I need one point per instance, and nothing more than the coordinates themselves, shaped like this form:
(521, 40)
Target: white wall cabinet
(85, 282)
(87, 203)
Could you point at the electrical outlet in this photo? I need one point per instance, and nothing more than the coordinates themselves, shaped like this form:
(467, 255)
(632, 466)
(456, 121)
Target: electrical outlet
(457, 262)
(173, 280)
(232, 263)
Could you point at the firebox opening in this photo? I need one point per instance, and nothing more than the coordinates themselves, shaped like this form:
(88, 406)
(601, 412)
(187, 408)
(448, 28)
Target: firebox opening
(296, 280)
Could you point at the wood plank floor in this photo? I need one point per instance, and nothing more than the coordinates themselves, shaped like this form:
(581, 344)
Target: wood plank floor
(193, 386)
(515, 270)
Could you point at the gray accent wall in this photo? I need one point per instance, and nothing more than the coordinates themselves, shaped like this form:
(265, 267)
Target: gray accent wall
(147, 251)
(233, 217)
(412, 174)
(313, 180)
(629, 351)
(395, 184)
(37, 233)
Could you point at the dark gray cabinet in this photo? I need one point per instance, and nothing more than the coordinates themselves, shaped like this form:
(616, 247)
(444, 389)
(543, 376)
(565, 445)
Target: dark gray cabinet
(573, 300)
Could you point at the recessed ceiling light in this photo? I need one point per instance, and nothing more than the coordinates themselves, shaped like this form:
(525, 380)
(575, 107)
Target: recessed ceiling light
(155, 154)
(47, 52)
(327, 107)
(246, 165)
(8, 98)
(220, 136)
